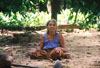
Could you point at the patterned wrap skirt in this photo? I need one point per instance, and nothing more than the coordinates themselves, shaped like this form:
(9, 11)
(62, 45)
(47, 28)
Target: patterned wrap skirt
(48, 54)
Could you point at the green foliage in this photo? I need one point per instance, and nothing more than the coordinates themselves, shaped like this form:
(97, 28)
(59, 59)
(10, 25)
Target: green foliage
(85, 21)
(87, 8)
(19, 14)
(20, 5)
(36, 19)
(98, 26)
(41, 0)
(19, 21)
(31, 20)
(84, 6)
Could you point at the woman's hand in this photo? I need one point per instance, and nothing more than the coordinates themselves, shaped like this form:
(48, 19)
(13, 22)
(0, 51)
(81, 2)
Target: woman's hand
(58, 49)
(33, 51)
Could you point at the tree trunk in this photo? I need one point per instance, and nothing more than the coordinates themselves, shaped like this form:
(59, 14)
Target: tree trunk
(55, 8)
(75, 17)
(64, 4)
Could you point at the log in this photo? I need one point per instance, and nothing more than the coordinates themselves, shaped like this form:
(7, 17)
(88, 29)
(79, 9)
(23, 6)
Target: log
(63, 27)
(29, 66)
(68, 27)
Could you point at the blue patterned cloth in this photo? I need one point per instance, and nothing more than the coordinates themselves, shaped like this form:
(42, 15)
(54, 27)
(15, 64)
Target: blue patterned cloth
(51, 44)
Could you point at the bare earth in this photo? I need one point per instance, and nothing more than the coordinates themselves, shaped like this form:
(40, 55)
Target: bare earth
(83, 46)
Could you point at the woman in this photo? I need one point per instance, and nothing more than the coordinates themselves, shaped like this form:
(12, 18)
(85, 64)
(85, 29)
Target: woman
(52, 44)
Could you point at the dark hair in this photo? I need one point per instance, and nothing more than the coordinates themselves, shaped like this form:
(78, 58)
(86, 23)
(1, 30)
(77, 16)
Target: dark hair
(51, 20)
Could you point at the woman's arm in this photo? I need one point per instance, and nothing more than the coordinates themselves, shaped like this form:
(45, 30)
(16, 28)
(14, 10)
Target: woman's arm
(41, 42)
(61, 39)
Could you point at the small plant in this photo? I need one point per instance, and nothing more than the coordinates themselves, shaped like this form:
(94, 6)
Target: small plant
(88, 52)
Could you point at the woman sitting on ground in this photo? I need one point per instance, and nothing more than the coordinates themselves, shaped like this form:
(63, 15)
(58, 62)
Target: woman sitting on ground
(52, 44)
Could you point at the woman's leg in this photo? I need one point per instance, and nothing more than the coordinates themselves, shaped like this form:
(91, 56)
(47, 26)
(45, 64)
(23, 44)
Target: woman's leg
(67, 56)
(54, 55)
(32, 54)
(39, 54)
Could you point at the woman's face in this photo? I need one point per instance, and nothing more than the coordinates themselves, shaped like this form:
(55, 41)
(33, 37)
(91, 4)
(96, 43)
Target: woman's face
(52, 26)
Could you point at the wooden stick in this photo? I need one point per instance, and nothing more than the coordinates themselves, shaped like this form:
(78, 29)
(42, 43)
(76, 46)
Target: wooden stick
(20, 65)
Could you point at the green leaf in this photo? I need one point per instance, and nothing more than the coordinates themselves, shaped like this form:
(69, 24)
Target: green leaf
(70, 18)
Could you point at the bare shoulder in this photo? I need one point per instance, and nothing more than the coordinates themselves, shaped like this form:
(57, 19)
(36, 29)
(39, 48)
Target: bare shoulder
(60, 36)
(42, 36)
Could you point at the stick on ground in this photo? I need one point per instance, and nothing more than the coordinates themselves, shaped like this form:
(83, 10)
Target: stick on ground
(20, 65)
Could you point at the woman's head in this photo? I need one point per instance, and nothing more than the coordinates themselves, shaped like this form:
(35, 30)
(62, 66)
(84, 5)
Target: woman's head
(51, 25)
(51, 20)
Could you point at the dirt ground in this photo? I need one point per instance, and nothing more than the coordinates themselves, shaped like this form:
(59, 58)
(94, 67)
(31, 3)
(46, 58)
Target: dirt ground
(83, 46)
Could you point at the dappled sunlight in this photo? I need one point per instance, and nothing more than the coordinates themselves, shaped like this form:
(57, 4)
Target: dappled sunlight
(84, 46)
(87, 33)
(22, 22)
